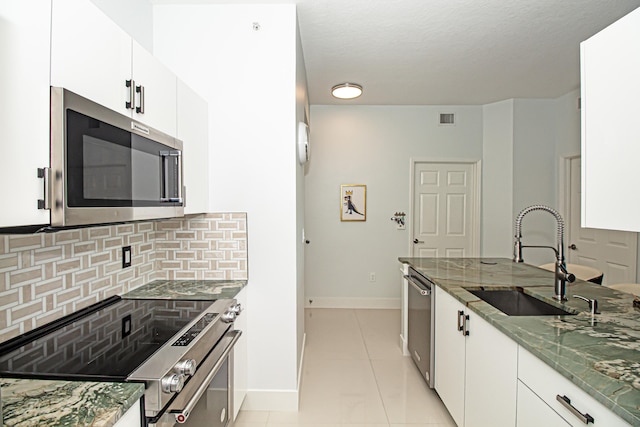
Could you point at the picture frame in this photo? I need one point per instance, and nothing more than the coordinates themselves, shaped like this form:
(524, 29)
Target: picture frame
(353, 202)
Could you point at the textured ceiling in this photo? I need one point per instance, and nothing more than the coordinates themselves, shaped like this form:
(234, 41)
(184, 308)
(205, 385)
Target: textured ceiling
(422, 52)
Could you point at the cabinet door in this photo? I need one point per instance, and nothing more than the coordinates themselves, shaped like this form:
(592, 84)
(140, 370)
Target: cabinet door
(240, 357)
(610, 66)
(491, 376)
(450, 355)
(547, 383)
(90, 54)
(193, 131)
(131, 418)
(24, 114)
(159, 85)
(533, 412)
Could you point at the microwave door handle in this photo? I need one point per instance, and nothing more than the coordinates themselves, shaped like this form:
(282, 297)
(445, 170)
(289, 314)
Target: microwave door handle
(166, 164)
(179, 177)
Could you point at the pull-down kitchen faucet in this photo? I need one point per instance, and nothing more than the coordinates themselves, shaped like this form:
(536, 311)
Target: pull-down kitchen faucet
(561, 274)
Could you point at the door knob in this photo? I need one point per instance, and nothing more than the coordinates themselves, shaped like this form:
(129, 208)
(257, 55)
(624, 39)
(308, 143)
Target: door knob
(416, 241)
(573, 247)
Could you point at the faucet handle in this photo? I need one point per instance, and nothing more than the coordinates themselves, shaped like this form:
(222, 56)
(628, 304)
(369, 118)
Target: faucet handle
(569, 277)
(593, 304)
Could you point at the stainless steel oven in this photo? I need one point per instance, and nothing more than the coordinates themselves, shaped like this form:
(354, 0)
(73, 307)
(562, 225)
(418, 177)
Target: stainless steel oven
(106, 167)
(180, 350)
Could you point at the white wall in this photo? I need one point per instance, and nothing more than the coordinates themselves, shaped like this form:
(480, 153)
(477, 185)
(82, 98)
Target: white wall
(535, 171)
(371, 145)
(302, 115)
(249, 79)
(497, 179)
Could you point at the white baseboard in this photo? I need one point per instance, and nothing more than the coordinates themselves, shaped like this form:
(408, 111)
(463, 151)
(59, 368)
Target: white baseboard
(304, 343)
(276, 400)
(403, 345)
(324, 302)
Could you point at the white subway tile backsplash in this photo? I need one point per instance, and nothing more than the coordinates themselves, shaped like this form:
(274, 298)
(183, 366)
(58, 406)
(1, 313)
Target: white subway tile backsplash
(46, 276)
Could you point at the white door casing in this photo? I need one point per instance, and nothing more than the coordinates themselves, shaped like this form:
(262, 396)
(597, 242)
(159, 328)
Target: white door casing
(610, 251)
(445, 204)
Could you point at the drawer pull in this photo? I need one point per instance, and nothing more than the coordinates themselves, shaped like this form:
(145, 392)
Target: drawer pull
(566, 402)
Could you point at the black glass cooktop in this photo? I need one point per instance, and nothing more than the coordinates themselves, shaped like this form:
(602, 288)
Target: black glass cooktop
(107, 344)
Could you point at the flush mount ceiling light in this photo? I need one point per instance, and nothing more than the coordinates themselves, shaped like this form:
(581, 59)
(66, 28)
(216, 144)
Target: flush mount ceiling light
(346, 91)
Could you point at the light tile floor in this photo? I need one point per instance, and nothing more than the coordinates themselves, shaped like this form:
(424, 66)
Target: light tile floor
(354, 374)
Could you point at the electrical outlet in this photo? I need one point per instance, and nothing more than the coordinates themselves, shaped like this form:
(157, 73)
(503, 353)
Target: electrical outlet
(126, 256)
(372, 277)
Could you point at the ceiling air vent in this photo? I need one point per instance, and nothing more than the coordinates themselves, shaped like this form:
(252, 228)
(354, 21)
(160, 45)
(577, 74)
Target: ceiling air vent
(447, 118)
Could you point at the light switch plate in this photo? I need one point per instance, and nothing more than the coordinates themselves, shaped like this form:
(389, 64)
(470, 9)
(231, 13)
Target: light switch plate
(126, 256)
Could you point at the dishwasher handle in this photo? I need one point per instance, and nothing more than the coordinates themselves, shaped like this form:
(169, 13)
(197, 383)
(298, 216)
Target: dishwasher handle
(424, 291)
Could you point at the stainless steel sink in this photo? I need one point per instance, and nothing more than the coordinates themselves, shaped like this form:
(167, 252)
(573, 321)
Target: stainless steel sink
(514, 302)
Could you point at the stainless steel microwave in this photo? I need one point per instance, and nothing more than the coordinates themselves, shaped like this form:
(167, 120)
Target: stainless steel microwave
(108, 168)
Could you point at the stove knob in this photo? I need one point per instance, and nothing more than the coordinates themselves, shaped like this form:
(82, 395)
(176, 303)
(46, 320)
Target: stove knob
(228, 317)
(186, 367)
(236, 308)
(172, 383)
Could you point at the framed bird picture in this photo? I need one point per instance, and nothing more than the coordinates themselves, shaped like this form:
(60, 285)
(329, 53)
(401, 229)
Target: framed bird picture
(353, 202)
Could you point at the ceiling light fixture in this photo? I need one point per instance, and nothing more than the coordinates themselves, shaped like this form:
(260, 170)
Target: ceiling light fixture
(346, 91)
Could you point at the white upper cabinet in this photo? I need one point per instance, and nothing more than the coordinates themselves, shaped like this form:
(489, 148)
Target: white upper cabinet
(24, 109)
(95, 58)
(610, 86)
(193, 131)
(90, 54)
(158, 99)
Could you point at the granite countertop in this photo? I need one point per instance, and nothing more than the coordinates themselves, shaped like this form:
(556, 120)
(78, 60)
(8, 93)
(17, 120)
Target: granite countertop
(188, 289)
(98, 404)
(600, 354)
(66, 403)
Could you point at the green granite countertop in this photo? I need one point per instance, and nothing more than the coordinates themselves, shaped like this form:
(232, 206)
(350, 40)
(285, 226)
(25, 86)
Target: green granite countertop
(600, 354)
(66, 403)
(188, 289)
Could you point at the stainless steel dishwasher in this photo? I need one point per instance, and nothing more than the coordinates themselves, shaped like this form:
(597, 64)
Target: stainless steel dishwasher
(421, 323)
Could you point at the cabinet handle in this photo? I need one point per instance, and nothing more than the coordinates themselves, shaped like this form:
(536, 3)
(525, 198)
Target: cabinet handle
(132, 94)
(140, 90)
(566, 402)
(465, 331)
(460, 316)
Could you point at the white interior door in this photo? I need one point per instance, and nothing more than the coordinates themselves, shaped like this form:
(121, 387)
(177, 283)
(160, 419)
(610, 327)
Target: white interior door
(612, 252)
(445, 214)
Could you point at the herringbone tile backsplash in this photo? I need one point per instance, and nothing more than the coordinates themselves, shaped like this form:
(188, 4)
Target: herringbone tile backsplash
(46, 276)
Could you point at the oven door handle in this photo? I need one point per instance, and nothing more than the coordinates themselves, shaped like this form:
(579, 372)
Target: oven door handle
(418, 286)
(182, 415)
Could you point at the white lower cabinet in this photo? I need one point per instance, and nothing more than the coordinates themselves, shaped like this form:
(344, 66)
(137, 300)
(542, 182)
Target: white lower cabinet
(548, 384)
(131, 418)
(450, 351)
(533, 412)
(475, 367)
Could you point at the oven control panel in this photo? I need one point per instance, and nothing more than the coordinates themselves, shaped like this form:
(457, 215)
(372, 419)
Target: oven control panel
(195, 330)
